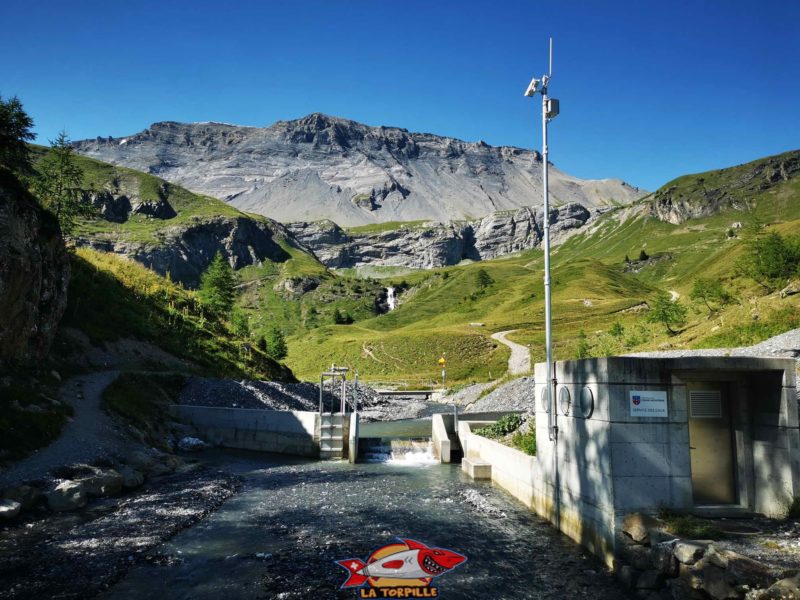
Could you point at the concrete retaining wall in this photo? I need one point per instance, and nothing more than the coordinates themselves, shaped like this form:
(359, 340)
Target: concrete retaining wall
(441, 425)
(284, 432)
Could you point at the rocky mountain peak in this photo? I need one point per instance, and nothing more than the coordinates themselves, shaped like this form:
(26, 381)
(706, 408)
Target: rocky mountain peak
(325, 167)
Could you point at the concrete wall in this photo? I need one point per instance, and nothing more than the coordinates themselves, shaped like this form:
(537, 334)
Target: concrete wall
(441, 425)
(284, 432)
(611, 463)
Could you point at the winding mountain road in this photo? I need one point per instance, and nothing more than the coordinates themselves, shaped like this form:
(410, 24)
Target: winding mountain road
(519, 362)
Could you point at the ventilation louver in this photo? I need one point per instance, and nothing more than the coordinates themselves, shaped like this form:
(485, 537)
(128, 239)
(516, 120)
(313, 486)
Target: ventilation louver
(705, 404)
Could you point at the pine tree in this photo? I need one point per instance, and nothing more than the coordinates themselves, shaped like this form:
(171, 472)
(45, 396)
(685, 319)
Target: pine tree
(15, 131)
(217, 286)
(667, 312)
(483, 278)
(643, 255)
(274, 344)
(59, 184)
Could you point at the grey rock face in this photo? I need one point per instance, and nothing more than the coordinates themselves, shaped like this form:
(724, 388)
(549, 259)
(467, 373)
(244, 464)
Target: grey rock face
(34, 274)
(185, 251)
(434, 245)
(158, 209)
(322, 167)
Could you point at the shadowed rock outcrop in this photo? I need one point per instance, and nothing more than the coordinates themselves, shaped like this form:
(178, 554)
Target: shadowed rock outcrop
(34, 273)
(185, 251)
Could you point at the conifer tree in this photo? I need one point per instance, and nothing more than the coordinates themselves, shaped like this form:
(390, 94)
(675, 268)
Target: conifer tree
(217, 286)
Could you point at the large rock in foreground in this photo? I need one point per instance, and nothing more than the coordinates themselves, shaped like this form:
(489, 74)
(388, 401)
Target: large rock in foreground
(34, 273)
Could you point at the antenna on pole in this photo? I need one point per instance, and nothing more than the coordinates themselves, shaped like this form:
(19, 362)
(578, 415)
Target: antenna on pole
(550, 70)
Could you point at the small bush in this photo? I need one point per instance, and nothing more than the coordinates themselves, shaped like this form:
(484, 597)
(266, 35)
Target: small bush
(525, 441)
(503, 426)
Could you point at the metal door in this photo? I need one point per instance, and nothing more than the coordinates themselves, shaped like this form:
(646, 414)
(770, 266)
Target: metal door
(711, 444)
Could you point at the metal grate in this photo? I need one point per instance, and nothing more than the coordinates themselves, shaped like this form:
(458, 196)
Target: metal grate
(706, 404)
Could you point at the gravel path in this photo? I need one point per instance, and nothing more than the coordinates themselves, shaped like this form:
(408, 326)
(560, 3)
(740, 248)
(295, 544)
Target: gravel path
(785, 345)
(519, 362)
(90, 434)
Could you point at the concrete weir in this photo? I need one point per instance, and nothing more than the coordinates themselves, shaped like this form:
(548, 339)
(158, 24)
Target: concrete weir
(298, 433)
(710, 435)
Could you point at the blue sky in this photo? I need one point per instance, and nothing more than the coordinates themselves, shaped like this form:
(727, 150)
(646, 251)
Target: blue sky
(649, 90)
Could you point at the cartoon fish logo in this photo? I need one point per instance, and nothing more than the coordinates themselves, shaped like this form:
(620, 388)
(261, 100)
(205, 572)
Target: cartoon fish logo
(405, 563)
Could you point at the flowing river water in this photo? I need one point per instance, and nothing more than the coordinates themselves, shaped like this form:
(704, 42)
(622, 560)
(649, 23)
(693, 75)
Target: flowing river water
(279, 536)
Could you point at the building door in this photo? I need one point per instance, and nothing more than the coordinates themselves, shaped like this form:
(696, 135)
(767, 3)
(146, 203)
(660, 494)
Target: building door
(711, 444)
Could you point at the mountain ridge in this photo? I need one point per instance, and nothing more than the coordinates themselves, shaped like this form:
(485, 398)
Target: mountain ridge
(323, 167)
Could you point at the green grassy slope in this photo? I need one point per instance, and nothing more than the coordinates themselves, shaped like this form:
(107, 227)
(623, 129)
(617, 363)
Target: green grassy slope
(110, 298)
(592, 289)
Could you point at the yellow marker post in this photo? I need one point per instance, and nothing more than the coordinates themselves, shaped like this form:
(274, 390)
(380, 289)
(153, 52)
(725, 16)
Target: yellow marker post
(442, 363)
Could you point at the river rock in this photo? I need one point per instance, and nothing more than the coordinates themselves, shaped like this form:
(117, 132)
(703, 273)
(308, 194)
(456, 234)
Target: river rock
(68, 495)
(9, 508)
(27, 495)
(131, 478)
(104, 482)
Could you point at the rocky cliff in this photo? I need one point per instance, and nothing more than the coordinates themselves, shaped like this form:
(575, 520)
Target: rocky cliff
(432, 245)
(706, 194)
(185, 250)
(34, 274)
(322, 167)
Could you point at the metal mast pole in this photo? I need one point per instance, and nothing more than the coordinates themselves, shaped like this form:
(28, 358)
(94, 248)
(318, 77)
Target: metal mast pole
(547, 295)
(549, 111)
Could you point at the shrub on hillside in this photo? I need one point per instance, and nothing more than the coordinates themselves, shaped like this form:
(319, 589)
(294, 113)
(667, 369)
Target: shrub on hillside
(771, 259)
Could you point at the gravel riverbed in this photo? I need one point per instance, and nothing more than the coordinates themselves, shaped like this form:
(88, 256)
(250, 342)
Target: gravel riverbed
(78, 555)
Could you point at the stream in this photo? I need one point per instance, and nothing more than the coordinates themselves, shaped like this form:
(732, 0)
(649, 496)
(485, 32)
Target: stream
(279, 536)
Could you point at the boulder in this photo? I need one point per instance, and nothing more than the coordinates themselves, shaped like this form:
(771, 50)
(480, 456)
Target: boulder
(104, 482)
(9, 508)
(689, 552)
(785, 589)
(190, 444)
(639, 526)
(67, 495)
(141, 461)
(27, 495)
(747, 571)
(131, 478)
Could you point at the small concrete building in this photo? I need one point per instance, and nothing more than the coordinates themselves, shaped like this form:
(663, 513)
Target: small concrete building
(716, 435)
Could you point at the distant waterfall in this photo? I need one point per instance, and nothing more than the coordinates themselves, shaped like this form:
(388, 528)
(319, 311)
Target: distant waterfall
(390, 299)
